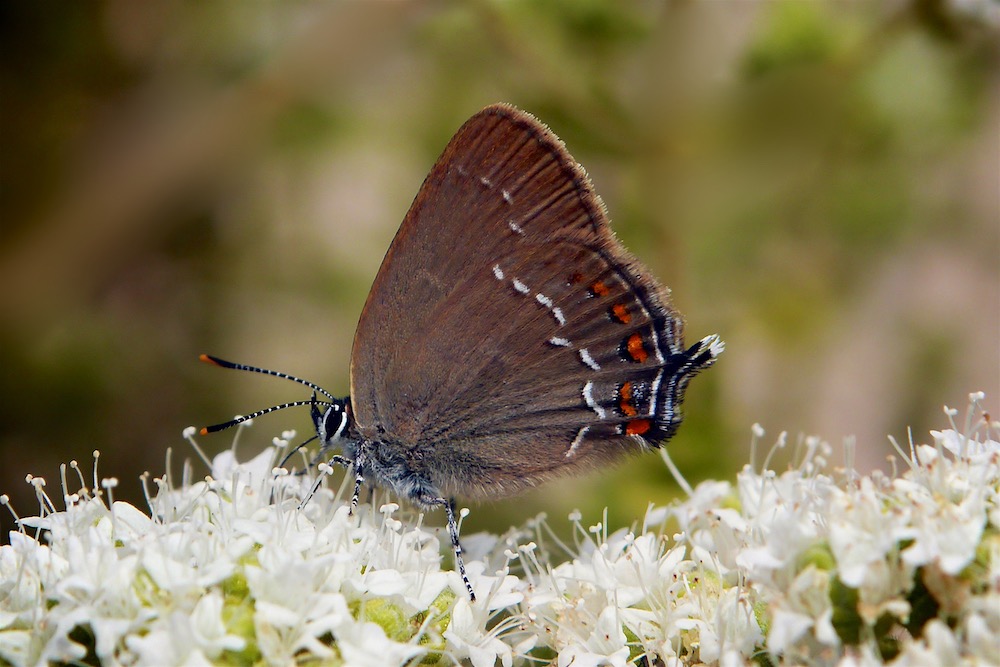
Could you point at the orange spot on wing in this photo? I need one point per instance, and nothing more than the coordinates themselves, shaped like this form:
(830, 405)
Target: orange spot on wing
(638, 427)
(636, 349)
(600, 289)
(576, 278)
(625, 400)
(620, 312)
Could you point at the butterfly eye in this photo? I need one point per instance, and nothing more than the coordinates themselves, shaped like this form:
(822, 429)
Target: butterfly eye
(334, 422)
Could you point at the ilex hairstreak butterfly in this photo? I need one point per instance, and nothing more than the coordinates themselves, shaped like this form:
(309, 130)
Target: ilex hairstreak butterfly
(509, 337)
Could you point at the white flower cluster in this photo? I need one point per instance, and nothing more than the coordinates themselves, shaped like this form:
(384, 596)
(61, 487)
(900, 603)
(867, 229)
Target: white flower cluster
(811, 566)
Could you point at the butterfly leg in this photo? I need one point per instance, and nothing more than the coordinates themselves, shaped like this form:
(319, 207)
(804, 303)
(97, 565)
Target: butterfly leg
(293, 452)
(339, 460)
(359, 479)
(449, 507)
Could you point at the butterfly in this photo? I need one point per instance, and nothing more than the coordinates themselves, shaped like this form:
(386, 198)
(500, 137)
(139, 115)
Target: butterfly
(508, 338)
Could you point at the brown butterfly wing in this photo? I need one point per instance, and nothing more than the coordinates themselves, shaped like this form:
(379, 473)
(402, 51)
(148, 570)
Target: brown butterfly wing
(509, 337)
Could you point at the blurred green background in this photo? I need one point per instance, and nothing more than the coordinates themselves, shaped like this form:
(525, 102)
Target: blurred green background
(816, 181)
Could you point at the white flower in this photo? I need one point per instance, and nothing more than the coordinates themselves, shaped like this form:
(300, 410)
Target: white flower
(938, 646)
(860, 531)
(805, 606)
(186, 639)
(209, 630)
(784, 515)
(983, 640)
(604, 646)
(960, 446)
(946, 534)
(732, 627)
(468, 637)
(786, 629)
(366, 645)
(838, 568)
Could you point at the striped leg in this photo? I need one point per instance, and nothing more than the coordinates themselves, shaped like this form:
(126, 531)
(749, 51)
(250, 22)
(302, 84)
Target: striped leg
(449, 507)
(339, 460)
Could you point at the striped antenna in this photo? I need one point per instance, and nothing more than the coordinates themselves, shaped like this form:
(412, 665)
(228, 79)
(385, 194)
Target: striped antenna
(245, 418)
(215, 361)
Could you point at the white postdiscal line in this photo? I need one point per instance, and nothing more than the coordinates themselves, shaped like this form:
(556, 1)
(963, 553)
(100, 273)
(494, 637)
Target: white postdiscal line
(498, 272)
(576, 441)
(506, 197)
(485, 181)
(656, 346)
(560, 342)
(588, 396)
(654, 393)
(589, 360)
(669, 408)
(556, 312)
(516, 228)
(520, 287)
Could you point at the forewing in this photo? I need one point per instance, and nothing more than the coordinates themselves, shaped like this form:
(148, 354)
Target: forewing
(508, 336)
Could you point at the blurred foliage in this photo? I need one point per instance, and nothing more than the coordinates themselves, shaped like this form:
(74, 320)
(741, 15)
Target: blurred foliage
(817, 181)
